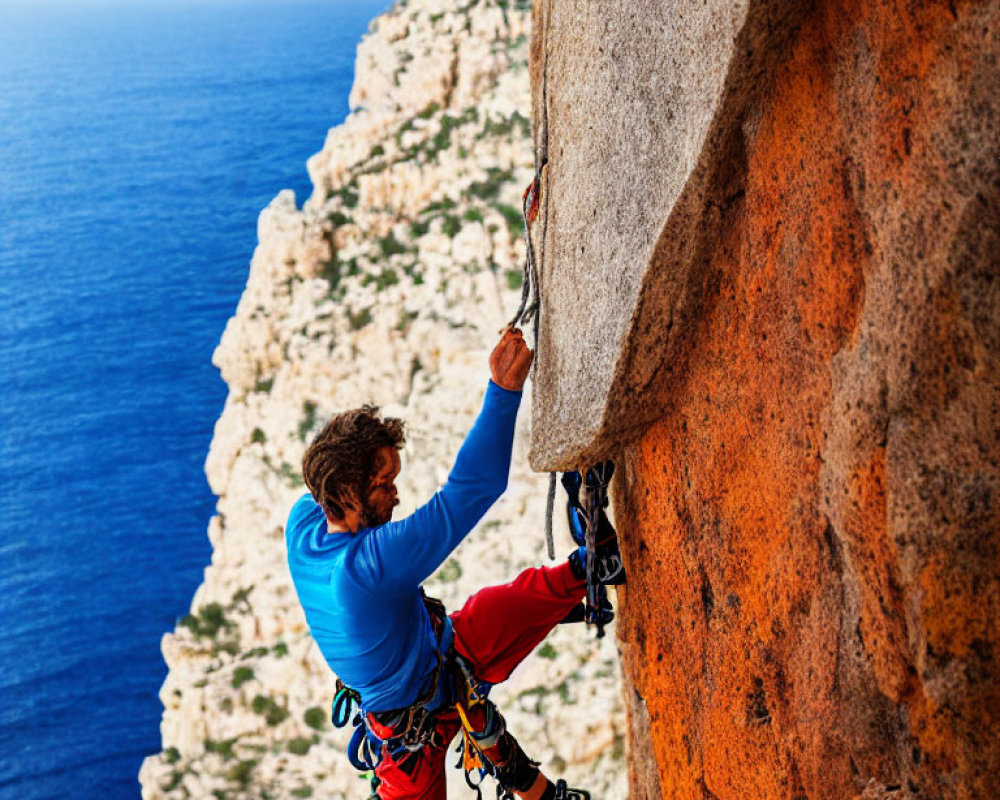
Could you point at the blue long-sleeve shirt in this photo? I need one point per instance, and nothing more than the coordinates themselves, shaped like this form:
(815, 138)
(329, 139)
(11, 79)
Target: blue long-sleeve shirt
(361, 592)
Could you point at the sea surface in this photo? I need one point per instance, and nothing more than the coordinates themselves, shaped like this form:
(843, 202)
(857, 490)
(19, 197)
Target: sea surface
(138, 142)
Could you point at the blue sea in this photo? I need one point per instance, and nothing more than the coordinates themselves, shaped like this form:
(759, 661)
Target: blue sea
(138, 142)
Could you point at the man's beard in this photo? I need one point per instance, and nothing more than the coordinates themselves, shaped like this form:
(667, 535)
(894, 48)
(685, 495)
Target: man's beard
(372, 517)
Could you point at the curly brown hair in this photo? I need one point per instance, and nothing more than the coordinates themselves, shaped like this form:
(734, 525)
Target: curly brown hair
(340, 461)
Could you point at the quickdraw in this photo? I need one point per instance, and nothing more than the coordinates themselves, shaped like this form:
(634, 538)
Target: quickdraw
(472, 761)
(596, 481)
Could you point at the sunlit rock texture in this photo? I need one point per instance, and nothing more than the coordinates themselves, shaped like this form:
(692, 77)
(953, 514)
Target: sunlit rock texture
(769, 248)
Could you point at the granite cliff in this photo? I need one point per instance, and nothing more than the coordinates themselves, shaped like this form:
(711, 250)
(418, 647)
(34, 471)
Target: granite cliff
(768, 252)
(388, 285)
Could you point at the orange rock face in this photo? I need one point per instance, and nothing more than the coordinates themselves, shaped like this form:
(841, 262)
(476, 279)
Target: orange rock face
(811, 527)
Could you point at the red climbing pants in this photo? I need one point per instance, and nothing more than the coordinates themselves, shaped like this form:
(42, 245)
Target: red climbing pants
(495, 629)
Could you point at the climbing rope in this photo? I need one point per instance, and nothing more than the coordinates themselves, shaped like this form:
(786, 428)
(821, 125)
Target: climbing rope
(528, 311)
(549, 507)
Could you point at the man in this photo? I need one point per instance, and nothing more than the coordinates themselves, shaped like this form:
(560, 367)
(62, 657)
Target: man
(423, 676)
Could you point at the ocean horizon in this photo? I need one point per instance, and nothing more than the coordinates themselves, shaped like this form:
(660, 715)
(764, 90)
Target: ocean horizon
(138, 143)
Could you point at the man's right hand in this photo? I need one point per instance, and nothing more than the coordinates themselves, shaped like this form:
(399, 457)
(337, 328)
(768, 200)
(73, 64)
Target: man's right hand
(510, 361)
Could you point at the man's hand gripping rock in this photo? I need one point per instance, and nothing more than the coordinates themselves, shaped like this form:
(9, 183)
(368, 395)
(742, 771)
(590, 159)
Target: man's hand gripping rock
(510, 361)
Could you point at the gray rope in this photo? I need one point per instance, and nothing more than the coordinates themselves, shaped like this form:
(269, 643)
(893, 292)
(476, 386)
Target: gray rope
(549, 507)
(527, 309)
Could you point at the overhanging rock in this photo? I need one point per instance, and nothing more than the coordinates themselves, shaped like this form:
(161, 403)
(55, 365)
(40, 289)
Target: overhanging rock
(634, 108)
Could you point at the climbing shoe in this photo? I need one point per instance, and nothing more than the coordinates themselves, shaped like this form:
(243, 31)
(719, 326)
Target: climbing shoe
(604, 615)
(563, 792)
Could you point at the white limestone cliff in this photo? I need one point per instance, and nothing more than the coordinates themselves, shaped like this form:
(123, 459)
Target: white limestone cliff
(389, 285)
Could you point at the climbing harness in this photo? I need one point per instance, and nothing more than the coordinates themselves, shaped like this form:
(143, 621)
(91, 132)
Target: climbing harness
(413, 727)
(402, 733)
(472, 759)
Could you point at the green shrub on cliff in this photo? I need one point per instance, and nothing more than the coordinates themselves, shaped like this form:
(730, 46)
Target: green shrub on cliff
(359, 319)
(176, 776)
(299, 745)
(241, 675)
(315, 718)
(391, 246)
(308, 419)
(489, 188)
(240, 772)
(429, 112)
(348, 195)
(446, 204)
(338, 218)
(273, 712)
(207, 622)
(450, 571)
(516, 124)
(224, 747)
(291, 475)
(334, 270)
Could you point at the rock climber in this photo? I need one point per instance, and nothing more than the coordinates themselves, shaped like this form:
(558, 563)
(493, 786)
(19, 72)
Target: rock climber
(422, 676)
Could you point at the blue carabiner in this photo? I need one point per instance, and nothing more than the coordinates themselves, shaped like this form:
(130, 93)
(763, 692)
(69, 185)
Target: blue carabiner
(343, 704)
